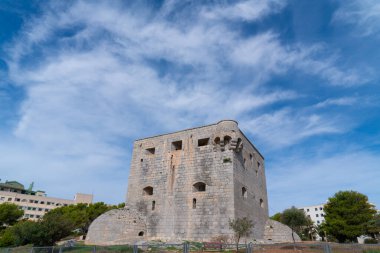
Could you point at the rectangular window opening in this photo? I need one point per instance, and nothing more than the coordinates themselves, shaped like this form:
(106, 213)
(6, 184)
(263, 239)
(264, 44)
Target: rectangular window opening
(177, 145)
(153, 205)
(203, 142)
(150, 151)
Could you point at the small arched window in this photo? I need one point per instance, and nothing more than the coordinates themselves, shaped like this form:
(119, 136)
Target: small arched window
(217, 141)
(227, 140)
(153, 205)
(194, 203)
(244, 192)
(199, 187)
(262, 203)
(141, 233)
(148, 190)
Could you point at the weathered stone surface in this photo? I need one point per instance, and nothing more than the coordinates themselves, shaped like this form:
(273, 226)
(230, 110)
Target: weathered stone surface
(277, 232)
(119, 226)
(188, 184)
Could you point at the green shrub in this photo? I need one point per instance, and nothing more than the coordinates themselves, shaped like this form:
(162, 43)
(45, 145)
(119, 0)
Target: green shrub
(226, 160)
(370, 241)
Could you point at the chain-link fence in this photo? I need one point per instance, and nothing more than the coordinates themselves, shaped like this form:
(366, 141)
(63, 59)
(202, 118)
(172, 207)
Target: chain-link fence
(192, 247)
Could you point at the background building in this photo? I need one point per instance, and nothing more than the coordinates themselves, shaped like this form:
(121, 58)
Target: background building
(315, 213)
(36, 203)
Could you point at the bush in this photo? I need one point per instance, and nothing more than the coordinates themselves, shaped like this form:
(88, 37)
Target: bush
(370, 241)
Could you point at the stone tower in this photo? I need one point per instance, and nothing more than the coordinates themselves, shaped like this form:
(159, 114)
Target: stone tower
(186, 186)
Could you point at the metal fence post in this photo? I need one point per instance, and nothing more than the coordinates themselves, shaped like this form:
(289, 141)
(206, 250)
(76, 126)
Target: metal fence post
(327, 248)
(248, 248)
(94, 249)
(135, 249)
(185, 247)
(60, 249)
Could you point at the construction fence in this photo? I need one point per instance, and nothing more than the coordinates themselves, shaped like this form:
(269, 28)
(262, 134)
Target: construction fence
(205, 247)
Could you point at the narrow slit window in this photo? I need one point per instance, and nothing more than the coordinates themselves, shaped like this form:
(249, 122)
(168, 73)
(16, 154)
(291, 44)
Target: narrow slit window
(262, 203)
(203, 142)
(258, 165)
(244, 192)
(177, 145)
(153, 205)
(194, 203)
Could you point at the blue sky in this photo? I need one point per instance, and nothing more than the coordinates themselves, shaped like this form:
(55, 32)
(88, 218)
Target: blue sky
(80, 80)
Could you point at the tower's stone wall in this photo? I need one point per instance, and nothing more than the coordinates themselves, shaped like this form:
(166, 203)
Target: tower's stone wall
(220, 157)
(187, 185)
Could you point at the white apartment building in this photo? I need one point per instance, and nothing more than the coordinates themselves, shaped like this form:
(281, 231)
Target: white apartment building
(36, 203)
(315, 213)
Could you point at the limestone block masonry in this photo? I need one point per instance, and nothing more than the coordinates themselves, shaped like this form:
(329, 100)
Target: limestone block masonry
(186, 186)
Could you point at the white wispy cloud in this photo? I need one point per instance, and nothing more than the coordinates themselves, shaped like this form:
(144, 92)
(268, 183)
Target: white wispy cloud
(249, 10)
(363, 14)
(337, 101)
(286, 127)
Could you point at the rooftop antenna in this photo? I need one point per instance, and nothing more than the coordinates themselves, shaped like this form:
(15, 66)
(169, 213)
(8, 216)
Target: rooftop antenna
(31, 186)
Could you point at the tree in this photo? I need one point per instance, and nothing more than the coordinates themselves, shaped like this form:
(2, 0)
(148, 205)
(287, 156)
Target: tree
(81, 215)
(295, 219)
(52, 229)
(347, 215)
(55, 225)
(276, 217)
(22, 233)
(241, 227)
(309, 230)
(9, 214)
(373, 227)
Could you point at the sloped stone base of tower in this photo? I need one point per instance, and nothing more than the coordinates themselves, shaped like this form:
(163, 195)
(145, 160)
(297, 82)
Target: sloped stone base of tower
(117, 227)
(276, 232)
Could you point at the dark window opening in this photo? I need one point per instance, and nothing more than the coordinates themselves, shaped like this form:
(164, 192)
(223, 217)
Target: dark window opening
(199, 187)
(177, 145)
(227, 140)
(141, 160)
(153, 205)
(261, 202)
(258, 165)
(251, 157)
(148, 190)
(141, 233)
(244, 192)
(203, 142)
(150, 151)
(194, 203)
(217, 140)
